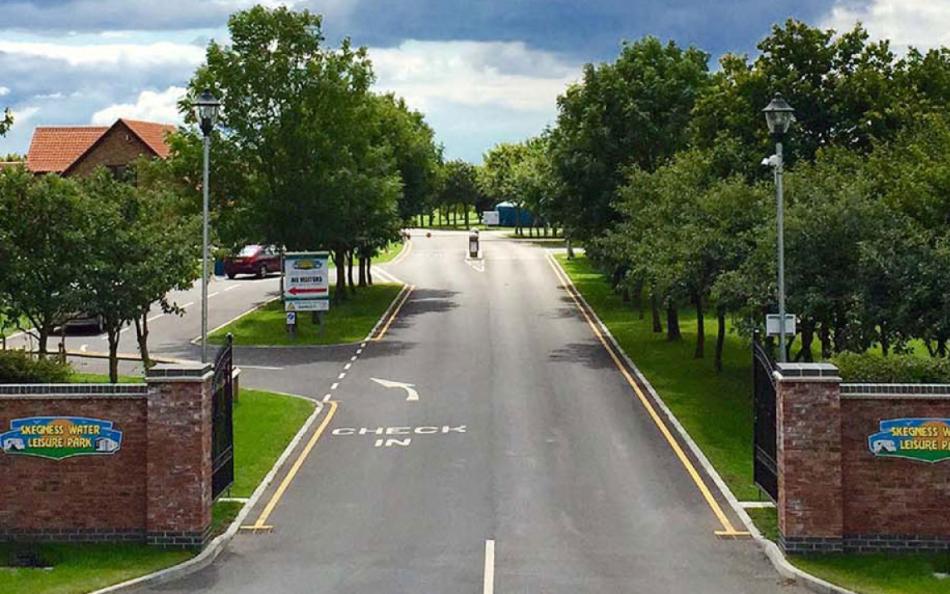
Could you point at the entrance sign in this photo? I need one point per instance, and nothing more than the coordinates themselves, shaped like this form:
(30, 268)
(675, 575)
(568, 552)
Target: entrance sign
(306, 281)
(927, 440)
(56, 438)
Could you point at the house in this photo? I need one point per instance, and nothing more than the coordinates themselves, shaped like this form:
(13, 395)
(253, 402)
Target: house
(106, 445)
(78, 150)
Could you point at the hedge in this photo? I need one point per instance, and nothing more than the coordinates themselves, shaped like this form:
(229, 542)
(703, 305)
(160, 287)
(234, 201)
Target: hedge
(18, 367)
(895, 369)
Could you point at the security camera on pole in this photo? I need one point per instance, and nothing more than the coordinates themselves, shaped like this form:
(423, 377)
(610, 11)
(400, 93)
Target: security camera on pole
(779, 116)
(207, 110)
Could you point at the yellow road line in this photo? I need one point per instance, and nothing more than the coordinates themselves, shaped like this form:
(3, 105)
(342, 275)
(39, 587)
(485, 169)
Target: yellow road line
(260, 524)
(728, 529)
(395, 312)
(403, 253)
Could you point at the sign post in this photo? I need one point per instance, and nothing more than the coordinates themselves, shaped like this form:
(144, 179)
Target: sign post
(306, 285)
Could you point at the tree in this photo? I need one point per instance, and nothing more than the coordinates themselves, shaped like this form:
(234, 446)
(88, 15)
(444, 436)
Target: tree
(302, 126)
(6, 122)
(45, 228)
(497, 176)
(632, 112)
(460, 186)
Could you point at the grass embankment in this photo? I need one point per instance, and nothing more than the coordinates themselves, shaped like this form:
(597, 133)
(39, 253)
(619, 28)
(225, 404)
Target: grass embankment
(349, 321)
(264, 423)
(716, 410)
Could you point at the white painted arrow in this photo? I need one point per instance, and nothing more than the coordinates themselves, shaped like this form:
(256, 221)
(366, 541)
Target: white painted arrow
(411, 395)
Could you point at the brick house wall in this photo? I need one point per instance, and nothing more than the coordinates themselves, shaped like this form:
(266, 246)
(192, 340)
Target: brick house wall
(119, 147)
(834, 493)
(156, 488)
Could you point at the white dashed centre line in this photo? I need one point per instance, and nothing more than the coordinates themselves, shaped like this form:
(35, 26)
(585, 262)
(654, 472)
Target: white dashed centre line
(347, 366)
(353, 358)
(335, 386)
(342, 375)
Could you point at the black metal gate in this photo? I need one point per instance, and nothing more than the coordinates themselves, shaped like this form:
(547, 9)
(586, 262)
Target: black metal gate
(222, 432)
(764, 470)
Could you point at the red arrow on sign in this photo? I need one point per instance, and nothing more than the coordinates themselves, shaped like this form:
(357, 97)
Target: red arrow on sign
(296, 291)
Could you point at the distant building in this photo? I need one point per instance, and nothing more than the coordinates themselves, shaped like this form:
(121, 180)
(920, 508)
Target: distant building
(78, 150)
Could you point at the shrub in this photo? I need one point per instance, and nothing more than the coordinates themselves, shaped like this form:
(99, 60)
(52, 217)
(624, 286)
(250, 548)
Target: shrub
(896, 369)
(18, 367)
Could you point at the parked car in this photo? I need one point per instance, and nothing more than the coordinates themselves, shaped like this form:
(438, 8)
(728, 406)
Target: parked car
(258, 260)
(85, 320)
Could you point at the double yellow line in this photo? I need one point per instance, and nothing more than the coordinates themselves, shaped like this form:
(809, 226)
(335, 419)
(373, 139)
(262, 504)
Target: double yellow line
(728, 530)
(261, 523)
(400, 301)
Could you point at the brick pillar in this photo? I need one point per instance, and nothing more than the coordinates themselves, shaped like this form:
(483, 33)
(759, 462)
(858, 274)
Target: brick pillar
(810, 508)
(178, 487)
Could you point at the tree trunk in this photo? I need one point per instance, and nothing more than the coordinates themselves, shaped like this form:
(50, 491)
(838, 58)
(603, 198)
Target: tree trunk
(369, 270)
(518, 220)
(720, 336)
(672, 322)
(625, 294)
(638, 295)
(700, 329)
(466, 216)
(113, 355)
(339, 256)
(570, 248)
(825, 338)
(43, 339)
(431, 216)
(349, 271)
(655, 312)
(885, 339)
(362, 264)
(141, 336)
(808, 336)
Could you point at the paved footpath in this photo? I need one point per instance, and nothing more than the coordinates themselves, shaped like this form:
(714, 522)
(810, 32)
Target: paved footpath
(526, 464)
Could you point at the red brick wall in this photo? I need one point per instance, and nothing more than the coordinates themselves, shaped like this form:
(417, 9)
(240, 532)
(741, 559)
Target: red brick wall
(91, 493)
(891, 495)
(119, 147)
(809, 460)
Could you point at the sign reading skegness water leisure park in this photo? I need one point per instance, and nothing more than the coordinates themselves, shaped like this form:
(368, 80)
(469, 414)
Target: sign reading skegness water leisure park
(306, 281)
(922, 439)
(56, 438)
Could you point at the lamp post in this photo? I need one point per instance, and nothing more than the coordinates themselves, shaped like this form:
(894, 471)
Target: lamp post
(779, 116)
(207, 111)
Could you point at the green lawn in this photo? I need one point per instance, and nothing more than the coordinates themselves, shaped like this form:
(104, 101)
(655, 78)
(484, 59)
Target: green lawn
(264, 423)
(349, 321)
(870, 574)
(715, 408)
(391, 251)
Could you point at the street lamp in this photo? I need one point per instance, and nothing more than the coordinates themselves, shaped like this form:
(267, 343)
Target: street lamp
(779, 116)
(206, 108)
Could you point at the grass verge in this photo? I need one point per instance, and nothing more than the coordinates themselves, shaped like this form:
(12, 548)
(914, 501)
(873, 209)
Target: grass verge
(264, 423)
(715, 408)
(349, 321)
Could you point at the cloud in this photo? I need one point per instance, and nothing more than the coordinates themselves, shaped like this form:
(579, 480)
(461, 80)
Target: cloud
(141, 15)
(923, 24)
(4, 91)
(109, 54)
(473, 93)
(151, 106)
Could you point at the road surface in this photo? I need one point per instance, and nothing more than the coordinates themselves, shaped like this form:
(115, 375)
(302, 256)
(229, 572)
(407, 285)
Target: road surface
(524, 464)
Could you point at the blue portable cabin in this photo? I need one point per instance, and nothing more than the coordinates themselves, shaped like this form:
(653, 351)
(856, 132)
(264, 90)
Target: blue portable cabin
(508, 215)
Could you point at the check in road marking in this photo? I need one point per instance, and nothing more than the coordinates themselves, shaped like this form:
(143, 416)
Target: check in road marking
(400, 436)
(261, 523)
(728, 530)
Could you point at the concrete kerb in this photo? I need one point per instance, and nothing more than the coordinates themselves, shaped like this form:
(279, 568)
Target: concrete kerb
(214, 548)
(771, 550)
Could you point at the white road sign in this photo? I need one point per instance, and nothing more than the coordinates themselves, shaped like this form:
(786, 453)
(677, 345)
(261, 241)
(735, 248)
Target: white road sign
(306, 281)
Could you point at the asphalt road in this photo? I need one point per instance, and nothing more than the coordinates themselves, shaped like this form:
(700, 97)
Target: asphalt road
(525, 439)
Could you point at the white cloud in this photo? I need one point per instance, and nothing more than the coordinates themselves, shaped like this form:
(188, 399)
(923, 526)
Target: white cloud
(4, 91)
(476, 94)
(923, 24)
(109, 54)
(151, 106)
(504, 74)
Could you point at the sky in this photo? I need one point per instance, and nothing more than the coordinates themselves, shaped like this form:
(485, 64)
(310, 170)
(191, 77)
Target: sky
(483, 72)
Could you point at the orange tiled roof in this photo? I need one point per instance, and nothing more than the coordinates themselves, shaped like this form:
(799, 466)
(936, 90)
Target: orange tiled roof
(152, 134)
(54, 148)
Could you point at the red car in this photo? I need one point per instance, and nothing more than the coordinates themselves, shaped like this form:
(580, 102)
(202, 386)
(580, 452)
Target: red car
(258, 260)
